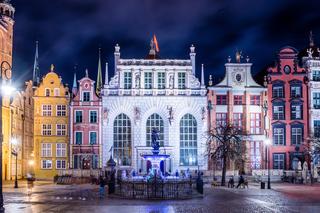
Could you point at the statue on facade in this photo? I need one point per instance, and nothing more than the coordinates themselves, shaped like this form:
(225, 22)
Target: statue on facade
(155, 141)
(310, 52)
(171, 82)
(137, 86)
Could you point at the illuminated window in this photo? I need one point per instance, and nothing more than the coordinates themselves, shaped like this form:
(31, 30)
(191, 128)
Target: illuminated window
(61, 129)
(296, 111)
(46, 110)
(122, 140)
(279, 135)
(46, 164)
(221, 100)
(61, 150)
(148, 80)
(46, 150)
(255, 154)
(221, 119)
(188, 141)
(238, 99)
(155, 122)
(238, 120)
(61, 110)
(255, 123)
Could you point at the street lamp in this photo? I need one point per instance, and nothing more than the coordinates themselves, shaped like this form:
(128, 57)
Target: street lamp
(268, 143)
(14, 152)
(6, 89)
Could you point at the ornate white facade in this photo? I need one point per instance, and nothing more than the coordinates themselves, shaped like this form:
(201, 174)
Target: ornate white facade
(313, 67)
(155, 93)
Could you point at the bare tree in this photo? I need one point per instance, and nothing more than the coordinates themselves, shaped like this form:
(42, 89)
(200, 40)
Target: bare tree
(225, 143)
(312, 147)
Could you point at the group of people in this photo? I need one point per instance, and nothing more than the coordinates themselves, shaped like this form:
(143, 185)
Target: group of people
(241, 182)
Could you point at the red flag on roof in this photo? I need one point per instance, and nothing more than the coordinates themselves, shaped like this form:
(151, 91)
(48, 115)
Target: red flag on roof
(156, 43)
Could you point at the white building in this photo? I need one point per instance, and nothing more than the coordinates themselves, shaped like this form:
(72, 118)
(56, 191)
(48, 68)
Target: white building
(238, 100)
(155, 93)
(313, 68)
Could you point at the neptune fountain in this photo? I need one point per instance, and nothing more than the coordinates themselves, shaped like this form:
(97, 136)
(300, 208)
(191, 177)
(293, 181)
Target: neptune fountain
(155, 185)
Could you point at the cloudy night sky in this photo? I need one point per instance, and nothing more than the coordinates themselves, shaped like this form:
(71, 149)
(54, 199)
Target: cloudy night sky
(71, 31)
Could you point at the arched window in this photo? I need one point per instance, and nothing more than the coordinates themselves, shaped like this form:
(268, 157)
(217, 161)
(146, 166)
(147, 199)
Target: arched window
(155, 121)
(188, 141)
(122, 140)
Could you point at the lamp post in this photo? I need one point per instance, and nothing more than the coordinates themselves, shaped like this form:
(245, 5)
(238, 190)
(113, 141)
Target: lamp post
(6, 89)
(14, 152)
(268, 143)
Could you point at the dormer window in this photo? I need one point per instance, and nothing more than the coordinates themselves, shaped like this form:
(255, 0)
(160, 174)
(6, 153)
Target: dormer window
(47, 92)
(86, 96)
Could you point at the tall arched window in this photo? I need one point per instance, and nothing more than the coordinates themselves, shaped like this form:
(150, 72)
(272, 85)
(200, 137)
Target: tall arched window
(122, 140)
(188, 141)
(155, 121)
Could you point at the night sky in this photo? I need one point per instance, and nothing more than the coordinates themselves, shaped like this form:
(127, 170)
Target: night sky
(71, 31)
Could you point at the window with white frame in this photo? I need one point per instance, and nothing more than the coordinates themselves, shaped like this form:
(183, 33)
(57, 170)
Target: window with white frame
(316, 75)
(127, 80)
(278, 112)
(93, 116)
(47, 92)
(61, 150)
(278, 136)
(46, 110)
(279, 160)
(221, 119)
(161, 80)
(46, 150)
(61, 129)
(60, 164)
(86, 96)
(78, 138)
(188, 141)
(78, 117)
(278, 91)
(46, 129)
(61, 110)
(56, 92)
(93, 138)
(295, 91)
(255, 123)
(255, 154)
(46, 164)
(238, 120)
(148, 80)
(316, 100)
(296, 111)
(296, 135)
(181, 80)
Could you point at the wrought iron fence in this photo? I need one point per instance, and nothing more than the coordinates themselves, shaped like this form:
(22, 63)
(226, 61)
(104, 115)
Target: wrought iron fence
(156, 189)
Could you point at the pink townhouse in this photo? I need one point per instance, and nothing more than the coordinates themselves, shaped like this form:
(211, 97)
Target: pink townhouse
(85, 125)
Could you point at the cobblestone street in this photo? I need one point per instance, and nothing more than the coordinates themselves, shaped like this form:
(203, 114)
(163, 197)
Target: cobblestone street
(48, 197)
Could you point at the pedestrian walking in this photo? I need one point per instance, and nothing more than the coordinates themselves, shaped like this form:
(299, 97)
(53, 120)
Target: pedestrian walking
(102, 184)
(30, 180)
(231, 182)
(241, 181)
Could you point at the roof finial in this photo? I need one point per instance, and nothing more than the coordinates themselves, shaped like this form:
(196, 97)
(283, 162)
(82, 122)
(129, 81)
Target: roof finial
(311, 41)
(52, 68)
(210, 80)
(192, 48)
(238, 56)
(106, 78)
(74, 80)
(87, 73)
(202, 75)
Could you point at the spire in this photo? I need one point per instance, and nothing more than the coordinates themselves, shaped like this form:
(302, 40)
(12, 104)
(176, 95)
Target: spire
(202, 75)
(106, 78)
(99, 76)
(87, 73)
(210, 80)
(311, 41)
(36, 69)
(52, 68)
(74, 86)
